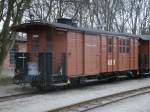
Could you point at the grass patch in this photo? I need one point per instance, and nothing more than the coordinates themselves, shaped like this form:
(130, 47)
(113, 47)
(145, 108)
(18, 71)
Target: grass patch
(5, 79)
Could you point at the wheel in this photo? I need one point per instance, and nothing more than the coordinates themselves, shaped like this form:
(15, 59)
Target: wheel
(18, 79)
(75, 82)
(43, 86)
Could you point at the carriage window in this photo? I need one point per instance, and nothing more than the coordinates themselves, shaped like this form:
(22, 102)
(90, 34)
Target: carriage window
(127, 50)
(109, 44)
(35, 41)
(124, 46)
(127, 46)
(120, 46)
(49, 41)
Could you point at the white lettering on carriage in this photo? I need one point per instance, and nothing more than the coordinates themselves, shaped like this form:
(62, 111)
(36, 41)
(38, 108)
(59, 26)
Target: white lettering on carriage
(111, 62)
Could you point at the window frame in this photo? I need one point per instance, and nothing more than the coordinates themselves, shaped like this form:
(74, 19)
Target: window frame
(109, 44)
(124, 45)
(35, 43)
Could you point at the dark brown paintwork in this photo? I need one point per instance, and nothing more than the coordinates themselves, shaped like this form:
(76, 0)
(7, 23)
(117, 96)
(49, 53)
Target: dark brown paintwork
(144, 48)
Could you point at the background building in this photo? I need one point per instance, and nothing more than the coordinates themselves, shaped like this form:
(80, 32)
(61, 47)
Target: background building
(9, 62)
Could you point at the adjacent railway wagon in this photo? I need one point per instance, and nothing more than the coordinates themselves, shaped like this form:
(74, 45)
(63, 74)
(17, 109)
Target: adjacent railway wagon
(144, 54)
(63, 53)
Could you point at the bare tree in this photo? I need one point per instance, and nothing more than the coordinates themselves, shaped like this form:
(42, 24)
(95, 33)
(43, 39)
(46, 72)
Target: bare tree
(121, 17)
(11, 14)
(111, 15)
(144, 20)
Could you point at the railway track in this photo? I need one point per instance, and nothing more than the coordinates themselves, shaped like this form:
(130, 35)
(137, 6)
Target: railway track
(101, 101)
(17, 96)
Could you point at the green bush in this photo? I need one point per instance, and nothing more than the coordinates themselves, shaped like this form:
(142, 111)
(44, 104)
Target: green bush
(5, 79)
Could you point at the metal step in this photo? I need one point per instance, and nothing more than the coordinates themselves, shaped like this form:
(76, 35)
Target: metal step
(122, 76)
(145, 73)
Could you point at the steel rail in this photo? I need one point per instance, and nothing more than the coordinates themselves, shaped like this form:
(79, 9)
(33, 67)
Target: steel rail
(17, 96)
(101, 101)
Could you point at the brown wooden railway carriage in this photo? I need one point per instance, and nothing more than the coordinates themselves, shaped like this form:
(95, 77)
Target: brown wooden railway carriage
(64, 52)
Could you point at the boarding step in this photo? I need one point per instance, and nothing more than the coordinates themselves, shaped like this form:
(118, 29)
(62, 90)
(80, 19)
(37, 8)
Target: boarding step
(145, 74)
